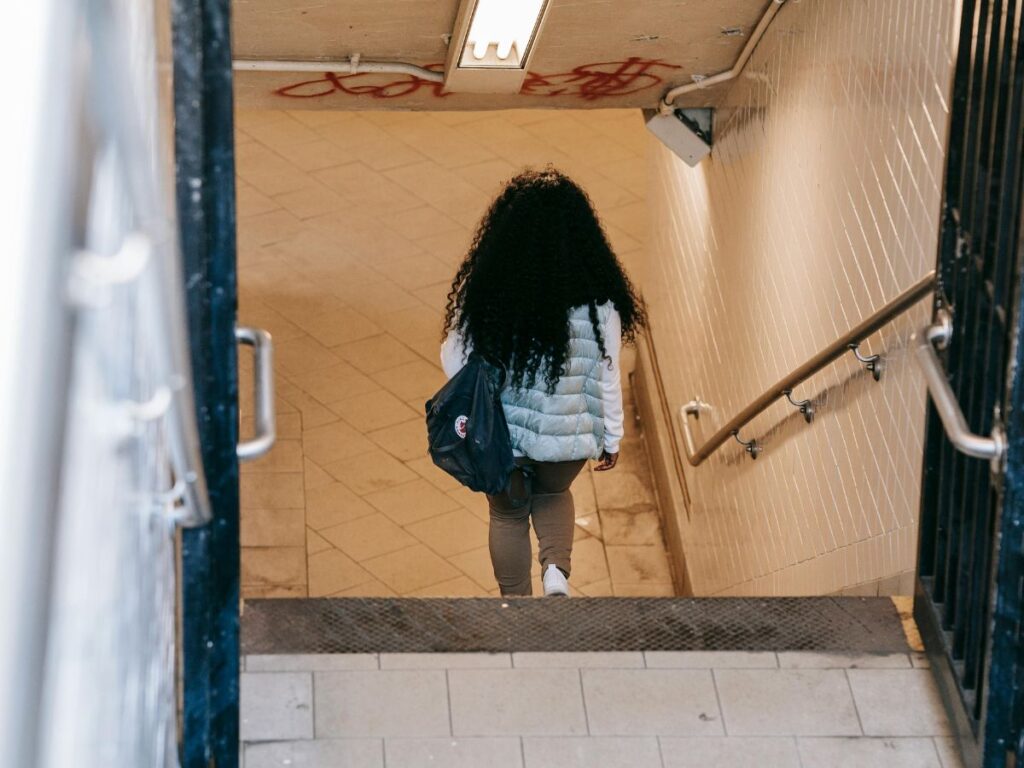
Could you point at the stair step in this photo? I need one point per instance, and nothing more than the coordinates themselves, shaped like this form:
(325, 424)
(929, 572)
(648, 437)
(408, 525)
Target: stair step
(497, 625)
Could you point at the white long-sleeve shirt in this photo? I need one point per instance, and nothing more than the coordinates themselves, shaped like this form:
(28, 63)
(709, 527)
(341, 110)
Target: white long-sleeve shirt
(455, 350)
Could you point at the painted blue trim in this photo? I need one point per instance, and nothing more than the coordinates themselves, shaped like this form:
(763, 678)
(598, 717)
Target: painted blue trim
(204, 147)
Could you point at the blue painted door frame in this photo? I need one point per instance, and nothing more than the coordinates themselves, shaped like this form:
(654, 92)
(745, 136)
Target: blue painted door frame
(971, 554)
(204, 152)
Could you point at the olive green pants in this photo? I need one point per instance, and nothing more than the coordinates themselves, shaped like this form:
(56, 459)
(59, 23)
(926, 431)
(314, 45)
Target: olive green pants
(538, 491)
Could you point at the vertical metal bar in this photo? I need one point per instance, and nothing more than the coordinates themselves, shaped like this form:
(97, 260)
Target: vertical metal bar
(204, 146)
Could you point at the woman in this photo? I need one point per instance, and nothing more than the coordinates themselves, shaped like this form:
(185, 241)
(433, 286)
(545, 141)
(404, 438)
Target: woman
(542, 295)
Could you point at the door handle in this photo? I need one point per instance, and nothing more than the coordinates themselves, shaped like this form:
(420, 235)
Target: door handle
(263, 389)
(937, 336)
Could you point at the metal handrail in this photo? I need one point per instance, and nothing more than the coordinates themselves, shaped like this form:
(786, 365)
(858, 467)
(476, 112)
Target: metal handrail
(263, 383)
(695, 456)
(938, 336)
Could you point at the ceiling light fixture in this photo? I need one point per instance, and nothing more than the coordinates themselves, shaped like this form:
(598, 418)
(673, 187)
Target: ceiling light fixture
(492, 44)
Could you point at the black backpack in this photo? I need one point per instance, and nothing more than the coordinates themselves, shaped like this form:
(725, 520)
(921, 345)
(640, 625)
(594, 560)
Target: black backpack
(466, 428)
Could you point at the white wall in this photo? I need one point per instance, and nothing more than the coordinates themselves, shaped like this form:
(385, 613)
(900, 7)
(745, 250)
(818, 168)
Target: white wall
(818, 205)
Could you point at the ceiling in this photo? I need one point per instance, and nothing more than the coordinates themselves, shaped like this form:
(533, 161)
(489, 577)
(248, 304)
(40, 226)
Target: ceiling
(590, 54)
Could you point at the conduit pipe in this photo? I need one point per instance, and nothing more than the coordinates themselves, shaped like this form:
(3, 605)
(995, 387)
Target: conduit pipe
(666, 107)
(352, 65)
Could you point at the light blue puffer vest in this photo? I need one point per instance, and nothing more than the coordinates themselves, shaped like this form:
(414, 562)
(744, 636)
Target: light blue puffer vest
(568, 424)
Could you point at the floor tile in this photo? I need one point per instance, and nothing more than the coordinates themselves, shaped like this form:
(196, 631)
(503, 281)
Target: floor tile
(916, 711)
(646, 589)
(418, 379)
(333, 442)
(410, 502)
(381, 703)
(371, 588)
(460, 586)
(275, 705)
(787, 702)
(333, 504)
(373, 410)
(376, 353)
(273, 565)
(711, 659)
(277, 490)
(315, 542)
(368, 537)
(424, 466)
(337, 325)
(635, 526)
(492, 752)
(589, 752)
(406, 440)
(259, 591)
(638, 565)
(588, 563)
(332, 571)
(322, 753)
(451, 532)
(516, 702)
(445, 661)
(619, 489)
(329, 385)
(732, 752)
(371, 472)
(284, 456)
(811, 660)
(410, 569)
(477, 565)
(579, 660)
(877, 753)
(312, 662)
(648, 702)
(949, 752)
(273, 527)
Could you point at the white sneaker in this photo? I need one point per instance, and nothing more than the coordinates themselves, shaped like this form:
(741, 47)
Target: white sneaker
(555, 582)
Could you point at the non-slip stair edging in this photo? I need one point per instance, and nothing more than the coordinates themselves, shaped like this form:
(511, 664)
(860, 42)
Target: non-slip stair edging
(449, 625)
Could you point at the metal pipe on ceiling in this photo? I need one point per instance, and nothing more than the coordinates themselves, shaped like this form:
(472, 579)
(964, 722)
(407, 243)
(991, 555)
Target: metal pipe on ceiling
(350, 66)
(666, 107)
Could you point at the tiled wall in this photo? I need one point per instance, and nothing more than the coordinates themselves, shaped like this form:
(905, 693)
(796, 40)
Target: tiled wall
(818, 204)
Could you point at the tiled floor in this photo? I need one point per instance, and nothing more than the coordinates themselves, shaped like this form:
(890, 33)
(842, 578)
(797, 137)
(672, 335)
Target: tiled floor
(350, 229)
(594, 710)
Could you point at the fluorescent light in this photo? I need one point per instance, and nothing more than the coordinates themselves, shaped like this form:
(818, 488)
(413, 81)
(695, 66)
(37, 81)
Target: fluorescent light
(501, 33)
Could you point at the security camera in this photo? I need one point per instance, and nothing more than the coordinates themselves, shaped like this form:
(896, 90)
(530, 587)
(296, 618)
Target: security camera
(687, 132)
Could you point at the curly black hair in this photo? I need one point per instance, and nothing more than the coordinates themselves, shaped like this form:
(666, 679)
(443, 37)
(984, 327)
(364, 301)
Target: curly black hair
(539, 252)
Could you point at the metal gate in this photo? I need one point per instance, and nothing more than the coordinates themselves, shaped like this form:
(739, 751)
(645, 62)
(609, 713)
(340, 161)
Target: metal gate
(970, 559)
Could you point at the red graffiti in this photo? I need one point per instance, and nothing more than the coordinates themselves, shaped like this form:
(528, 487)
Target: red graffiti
(597, 81)
(588, 81)
(356, 85)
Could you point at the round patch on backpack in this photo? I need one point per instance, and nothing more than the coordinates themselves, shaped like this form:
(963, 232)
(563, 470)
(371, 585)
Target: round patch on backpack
(460, 426)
